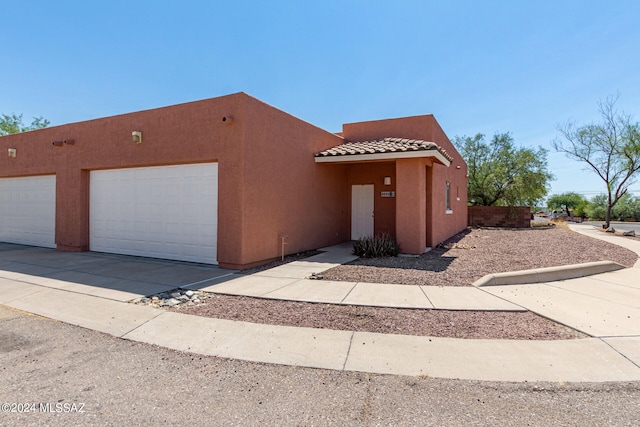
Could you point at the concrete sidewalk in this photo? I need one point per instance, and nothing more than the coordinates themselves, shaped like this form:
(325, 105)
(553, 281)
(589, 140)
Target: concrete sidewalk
(588, 360)
(591, 231)
(292, 282)
(32, 283)
(601, 305)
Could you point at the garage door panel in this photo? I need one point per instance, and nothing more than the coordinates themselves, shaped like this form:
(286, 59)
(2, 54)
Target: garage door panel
(208, 233)
(28, 210)
(163, 212)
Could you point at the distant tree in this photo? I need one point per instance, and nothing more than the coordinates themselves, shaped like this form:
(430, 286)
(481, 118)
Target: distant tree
(627, 207)
(566, 201)
(501, 174)
(581, 209)
(610, 148)
(12, 123)
(597, 209)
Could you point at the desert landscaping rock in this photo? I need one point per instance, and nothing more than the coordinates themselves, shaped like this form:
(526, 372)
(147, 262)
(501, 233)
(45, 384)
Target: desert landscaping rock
(173, 298)
(480, 251)
(436, 323)
(471, 255)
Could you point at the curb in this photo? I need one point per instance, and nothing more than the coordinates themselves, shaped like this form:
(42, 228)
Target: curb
(548, 274)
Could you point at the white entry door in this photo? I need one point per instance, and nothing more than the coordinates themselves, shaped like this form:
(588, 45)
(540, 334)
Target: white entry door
(361, 211)
(161, 212)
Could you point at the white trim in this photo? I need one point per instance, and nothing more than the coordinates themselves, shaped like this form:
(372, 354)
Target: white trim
(384, 156)
(448, 211)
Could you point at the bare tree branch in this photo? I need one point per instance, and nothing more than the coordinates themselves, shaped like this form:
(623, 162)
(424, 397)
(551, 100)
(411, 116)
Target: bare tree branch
(610, 148)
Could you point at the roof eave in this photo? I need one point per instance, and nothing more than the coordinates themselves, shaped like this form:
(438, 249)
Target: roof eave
(384, 156)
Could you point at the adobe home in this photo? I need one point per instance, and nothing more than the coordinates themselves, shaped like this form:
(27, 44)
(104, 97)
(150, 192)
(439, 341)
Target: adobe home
(226, 181)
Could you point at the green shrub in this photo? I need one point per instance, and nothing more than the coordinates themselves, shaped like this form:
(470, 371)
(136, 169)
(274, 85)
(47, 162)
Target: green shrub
(627, 207)
(380, 245)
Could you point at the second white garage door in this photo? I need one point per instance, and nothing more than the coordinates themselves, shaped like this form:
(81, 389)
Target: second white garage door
(161, 212)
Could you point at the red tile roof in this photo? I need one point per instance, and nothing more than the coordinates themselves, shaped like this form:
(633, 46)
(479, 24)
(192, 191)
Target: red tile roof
(384, 145)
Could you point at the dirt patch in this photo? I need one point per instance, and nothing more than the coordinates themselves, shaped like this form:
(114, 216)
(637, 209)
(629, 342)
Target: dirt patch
(470, 255)
(435, 323)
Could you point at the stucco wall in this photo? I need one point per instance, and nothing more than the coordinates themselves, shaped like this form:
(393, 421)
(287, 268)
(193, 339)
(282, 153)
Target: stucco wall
(180, 134)
(446, 224)
(284, 192)
(268, 181)
(411, 213)
(439, 225)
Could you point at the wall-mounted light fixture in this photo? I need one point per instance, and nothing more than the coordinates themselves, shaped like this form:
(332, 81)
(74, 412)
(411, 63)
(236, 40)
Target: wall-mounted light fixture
(136, 136)
(458, 167)
(12, 152)
(69, 141)
(57, 143)
(227, 119)
(387, 180)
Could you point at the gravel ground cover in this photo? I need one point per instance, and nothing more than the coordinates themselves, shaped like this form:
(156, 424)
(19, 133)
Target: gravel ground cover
(480, 251)
(434, 323)
(458, 262)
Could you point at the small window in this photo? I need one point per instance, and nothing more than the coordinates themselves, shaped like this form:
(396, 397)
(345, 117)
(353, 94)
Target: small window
(449, 198)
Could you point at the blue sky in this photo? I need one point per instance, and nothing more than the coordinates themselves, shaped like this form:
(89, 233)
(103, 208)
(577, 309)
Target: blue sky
(480, 67)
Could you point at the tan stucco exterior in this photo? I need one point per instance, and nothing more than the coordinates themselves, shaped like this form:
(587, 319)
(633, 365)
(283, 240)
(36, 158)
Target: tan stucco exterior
(269, 184)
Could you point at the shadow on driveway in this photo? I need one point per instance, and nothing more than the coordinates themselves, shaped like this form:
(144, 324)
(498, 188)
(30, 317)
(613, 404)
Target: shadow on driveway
(118, 277)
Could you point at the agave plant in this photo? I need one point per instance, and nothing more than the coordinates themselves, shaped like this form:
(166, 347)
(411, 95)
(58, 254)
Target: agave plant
(380, 245)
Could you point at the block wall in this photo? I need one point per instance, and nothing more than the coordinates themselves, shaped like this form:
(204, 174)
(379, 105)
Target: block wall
(500, 216)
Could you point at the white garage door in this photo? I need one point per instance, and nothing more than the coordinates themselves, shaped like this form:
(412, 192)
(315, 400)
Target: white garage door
(161, 212)
(28, 210)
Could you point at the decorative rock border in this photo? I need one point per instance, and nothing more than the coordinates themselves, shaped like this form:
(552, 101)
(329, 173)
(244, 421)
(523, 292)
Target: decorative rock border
(172, 298)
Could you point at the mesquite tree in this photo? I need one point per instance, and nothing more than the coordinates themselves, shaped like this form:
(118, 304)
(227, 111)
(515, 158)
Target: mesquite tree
(611, 148)
(501, 174)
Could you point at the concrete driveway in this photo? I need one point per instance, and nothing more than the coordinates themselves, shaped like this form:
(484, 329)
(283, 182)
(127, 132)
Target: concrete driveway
(116, 277)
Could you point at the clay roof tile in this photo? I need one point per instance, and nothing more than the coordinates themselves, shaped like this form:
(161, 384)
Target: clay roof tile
(383, 145)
